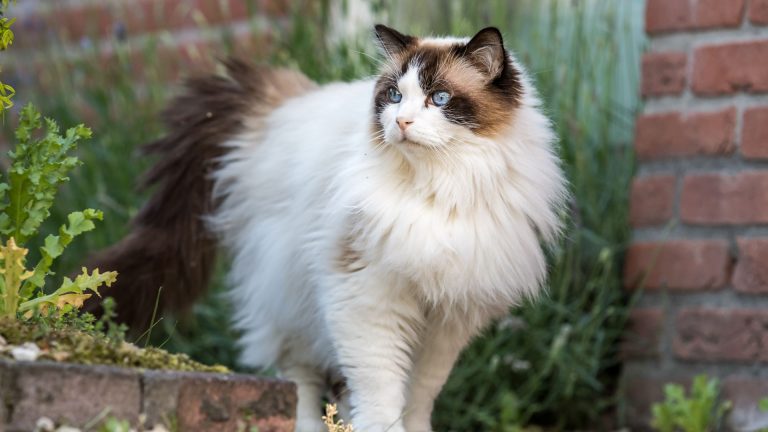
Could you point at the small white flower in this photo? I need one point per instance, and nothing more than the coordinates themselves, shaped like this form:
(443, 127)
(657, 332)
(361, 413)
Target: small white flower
(25, 352)
(44, 424)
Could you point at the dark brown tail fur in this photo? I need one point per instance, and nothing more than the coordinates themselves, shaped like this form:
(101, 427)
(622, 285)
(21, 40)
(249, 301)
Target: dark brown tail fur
(169, 245)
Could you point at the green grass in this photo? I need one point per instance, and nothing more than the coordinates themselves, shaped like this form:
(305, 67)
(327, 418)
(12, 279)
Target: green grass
(554, 361)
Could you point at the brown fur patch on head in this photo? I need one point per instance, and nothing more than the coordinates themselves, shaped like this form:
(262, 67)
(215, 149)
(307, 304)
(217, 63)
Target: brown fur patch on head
(483, 82)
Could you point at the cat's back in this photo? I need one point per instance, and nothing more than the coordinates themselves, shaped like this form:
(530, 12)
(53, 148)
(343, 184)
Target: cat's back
(282, 165)
(299, 144)
(331, 110)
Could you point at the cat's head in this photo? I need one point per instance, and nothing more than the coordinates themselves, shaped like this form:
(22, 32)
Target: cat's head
(435, 92)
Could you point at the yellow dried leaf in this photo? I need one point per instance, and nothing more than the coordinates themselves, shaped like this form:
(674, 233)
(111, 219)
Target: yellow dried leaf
(332, 424)
(14, 272)
(75, 300)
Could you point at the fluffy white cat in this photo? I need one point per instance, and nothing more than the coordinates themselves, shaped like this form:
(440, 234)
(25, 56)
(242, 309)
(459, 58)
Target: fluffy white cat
(374, 227)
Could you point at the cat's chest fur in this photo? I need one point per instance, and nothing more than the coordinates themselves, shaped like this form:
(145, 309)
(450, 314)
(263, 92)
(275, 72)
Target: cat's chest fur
(454, 243)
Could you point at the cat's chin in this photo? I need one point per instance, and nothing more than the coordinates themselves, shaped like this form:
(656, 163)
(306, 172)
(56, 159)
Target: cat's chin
(413, 145)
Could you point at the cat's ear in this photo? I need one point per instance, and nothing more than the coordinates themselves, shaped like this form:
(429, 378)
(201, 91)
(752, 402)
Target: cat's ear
(391, 41)
(486, 51)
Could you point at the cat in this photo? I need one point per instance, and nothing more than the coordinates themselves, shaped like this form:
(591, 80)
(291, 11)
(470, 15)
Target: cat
(374, 227)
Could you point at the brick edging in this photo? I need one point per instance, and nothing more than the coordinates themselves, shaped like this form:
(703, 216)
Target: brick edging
(76, 394)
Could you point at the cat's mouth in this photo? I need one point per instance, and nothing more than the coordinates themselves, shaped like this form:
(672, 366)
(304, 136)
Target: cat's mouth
(414, 144)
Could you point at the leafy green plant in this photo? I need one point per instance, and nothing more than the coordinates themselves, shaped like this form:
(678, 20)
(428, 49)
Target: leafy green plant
(6, 39)
(39, 164)
(38, 167)
(700, 412)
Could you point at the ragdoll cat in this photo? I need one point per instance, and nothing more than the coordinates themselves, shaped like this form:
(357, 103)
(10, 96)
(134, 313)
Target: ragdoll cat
(374, 227)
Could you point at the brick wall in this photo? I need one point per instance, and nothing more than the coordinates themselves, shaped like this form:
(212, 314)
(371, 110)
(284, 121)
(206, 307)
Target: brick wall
(190, 33)
(699, 206)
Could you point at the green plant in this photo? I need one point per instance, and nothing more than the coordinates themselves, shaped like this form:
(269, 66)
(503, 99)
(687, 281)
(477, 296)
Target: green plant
(701, 412)
(40, 162)
(38, 167)
(6, 39)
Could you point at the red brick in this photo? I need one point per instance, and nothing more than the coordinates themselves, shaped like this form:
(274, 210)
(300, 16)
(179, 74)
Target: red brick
(667, 15)
(641, 392)
(664, 73)
(275, 8)
(643, 334)
(718, 13)
(201, 56)
(222, 401)
(707, 334)
(72, 394)
(207, 402)
(678, 15)
(684, 265)
(731, 67)
(711, 199)
(74, 23)
(30, 31)
(744, 392)
(152, 16)
(754, 135)
(652, 200)
(758, 12)
(160, 395)
(673, 135)
(102, 19)
(751, 272)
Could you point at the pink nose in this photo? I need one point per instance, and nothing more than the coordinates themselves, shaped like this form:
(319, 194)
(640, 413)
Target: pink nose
(403, 123)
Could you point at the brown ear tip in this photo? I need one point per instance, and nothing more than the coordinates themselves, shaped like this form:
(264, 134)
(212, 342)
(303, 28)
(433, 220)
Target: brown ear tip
(491, 31)
(378, 29)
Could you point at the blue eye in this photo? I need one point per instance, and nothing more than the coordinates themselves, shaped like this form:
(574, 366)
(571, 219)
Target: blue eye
(394, 95)
(440, 98)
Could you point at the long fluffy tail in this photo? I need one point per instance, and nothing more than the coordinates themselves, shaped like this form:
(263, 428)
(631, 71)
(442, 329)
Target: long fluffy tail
(169, 245)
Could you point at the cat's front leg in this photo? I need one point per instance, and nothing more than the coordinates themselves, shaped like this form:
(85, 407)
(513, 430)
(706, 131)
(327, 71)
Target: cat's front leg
(310, 385)
(373, 325)
(440, 347)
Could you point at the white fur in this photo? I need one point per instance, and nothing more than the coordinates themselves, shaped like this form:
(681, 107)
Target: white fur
(448, 226)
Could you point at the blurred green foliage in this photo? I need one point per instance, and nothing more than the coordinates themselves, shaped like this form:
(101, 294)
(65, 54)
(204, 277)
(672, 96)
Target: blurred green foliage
(701, 411)
(6, 39)
(552, 362)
